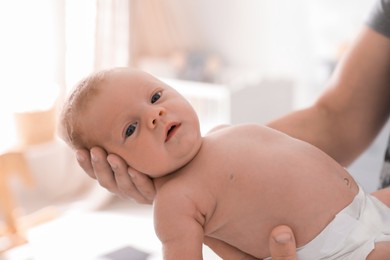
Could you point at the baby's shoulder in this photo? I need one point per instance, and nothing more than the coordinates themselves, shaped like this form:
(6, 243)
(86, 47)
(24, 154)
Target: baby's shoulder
(185, 194)
(224, 130)
(250, 132)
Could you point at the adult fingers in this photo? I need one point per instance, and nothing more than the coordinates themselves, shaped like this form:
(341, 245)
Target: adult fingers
(102, 169)
(144, 185)
(126, 179)
(84, 160)
(282, 244)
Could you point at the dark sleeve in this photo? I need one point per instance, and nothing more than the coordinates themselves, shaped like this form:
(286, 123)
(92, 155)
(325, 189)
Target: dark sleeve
(379, 17)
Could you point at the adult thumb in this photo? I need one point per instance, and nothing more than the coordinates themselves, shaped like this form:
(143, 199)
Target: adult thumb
(282, 244)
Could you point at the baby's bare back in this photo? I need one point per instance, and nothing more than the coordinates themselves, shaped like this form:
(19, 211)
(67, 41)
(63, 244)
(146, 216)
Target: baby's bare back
(260, 178)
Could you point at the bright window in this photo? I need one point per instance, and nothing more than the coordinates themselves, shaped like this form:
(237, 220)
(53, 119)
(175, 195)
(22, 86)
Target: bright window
(45, 46)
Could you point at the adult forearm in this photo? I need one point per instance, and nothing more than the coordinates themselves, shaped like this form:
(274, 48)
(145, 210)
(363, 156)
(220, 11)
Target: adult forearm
(314, 125)
(355, 106)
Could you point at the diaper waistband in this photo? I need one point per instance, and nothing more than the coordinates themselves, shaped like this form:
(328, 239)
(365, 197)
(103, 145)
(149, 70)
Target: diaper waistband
(354, 227)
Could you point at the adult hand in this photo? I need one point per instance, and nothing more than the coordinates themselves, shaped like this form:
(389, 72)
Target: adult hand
(115, 175)
(282, 244)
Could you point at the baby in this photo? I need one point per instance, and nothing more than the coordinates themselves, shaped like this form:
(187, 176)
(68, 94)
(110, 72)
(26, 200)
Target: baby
(234, 184)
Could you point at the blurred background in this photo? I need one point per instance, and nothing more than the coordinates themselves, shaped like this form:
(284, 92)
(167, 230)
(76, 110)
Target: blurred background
(236, 61)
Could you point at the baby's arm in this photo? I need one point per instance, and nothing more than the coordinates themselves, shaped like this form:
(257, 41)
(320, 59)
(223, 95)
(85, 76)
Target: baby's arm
(381, 251)
(178, 225)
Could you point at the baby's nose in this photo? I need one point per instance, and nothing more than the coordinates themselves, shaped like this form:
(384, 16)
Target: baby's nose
(155, 116)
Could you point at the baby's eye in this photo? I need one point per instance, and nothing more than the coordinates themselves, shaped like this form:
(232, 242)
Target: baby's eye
(156, 96)
(130, 129)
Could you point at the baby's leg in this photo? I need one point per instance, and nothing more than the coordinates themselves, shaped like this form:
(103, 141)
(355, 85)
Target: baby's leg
(383, 195)
(381, 251)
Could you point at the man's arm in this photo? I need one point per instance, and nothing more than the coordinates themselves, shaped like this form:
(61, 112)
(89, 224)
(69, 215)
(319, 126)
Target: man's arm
(355, 105)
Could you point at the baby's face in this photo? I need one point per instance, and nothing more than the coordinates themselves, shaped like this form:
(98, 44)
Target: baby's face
(145, 122)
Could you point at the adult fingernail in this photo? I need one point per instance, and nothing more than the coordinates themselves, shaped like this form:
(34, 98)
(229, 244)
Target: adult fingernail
(112, 164)
(283, 238)
(130, 173)
(94, 157)
(79, 157)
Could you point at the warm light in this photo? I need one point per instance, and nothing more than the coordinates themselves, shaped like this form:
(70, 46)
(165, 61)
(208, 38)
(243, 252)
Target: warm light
(28, 52)
(42, 41)
(80, 39)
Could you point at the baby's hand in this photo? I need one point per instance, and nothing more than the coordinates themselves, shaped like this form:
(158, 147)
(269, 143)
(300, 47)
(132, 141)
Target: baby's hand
(115, 175)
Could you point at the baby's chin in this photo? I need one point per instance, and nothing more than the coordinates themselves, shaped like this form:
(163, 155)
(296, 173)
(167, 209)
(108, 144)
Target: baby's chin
(161, 172)
(173, 164)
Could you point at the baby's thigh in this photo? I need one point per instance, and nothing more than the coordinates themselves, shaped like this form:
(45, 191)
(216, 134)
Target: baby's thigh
(381, 251)
(383, 195)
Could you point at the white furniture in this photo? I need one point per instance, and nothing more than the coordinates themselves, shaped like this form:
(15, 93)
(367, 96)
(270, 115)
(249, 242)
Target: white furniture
(210, 101)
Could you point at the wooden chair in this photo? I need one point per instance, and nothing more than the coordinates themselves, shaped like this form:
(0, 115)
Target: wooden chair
(32, 128)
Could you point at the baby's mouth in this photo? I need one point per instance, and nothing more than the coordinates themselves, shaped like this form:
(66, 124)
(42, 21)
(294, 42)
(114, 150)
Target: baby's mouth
(171, 131)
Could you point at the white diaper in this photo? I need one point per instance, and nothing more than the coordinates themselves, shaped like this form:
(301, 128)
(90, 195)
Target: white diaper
(352, 233)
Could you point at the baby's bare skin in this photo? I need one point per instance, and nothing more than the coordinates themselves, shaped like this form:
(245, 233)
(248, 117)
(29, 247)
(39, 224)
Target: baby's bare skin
(244, 181)
(234, 185)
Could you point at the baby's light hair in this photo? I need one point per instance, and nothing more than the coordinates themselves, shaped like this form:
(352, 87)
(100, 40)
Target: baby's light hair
(75, 105)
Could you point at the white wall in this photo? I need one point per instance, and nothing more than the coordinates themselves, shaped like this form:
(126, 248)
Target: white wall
(299, 39)
(250, 33)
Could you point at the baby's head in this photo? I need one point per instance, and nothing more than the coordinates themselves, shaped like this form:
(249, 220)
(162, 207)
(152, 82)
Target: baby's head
(134, 115)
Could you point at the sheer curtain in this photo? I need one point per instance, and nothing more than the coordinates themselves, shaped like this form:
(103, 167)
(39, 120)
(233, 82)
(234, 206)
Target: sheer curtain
(97, 36)
(112, 35)
(154, 28)
(47, 46)
(106, 33)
